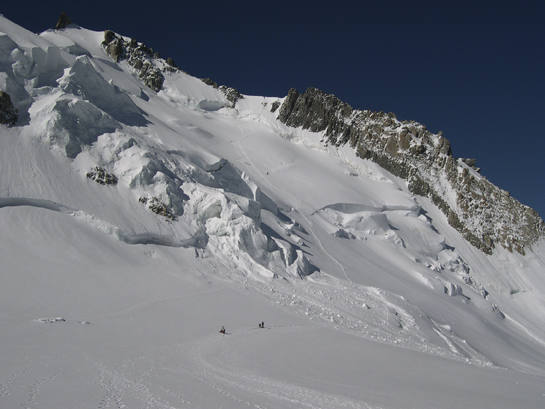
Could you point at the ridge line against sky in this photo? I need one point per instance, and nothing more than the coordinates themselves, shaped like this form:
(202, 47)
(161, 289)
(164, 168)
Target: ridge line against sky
(474, 72)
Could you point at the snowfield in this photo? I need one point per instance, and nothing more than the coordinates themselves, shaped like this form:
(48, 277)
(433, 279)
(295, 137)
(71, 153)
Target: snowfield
(112, 295)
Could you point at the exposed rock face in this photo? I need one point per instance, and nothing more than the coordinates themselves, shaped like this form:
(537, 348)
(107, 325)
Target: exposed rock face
(62, 22)
(146, 63)
(101, 176)
(275, 106)
(109, 36)
(232, 94)
(209, 81)
(8, 113)
(314, 110)
(485, 214)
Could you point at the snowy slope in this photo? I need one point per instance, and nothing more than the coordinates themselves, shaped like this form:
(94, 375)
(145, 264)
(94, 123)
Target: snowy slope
(112, 295)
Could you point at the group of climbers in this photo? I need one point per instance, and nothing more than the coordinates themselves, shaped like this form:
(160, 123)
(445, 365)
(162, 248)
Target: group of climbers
(224, 331)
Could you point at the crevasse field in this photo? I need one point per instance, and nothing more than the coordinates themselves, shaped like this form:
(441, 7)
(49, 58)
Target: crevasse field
(369, 298)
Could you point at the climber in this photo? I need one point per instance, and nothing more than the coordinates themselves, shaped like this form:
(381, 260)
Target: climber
(222, 330)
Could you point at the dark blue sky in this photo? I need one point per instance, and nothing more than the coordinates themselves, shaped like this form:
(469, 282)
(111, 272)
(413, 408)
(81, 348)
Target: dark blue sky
(474, 71)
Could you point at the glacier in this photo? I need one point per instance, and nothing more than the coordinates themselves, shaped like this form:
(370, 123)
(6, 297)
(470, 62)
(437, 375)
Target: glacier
(113, 293)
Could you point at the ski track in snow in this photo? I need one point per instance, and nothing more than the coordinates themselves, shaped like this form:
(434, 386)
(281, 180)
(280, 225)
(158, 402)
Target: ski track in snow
(198, 240)
(29, 381)
(5, 386)
(121, 391)
(34, 390)
(116, 385)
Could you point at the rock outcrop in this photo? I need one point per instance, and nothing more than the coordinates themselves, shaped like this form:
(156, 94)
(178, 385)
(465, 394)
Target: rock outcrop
(275, 106)
(232, 94)
(8, 113)
(62, 22)
(157, 206)
(101, 176)
(147, 64)
(485, 214)
(210, 81)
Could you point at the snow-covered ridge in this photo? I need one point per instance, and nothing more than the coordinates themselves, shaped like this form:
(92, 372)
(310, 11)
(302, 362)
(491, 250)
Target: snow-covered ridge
(485, 214)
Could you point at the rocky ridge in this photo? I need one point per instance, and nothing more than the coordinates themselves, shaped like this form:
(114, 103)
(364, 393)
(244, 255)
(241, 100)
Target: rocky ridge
(232, 94)
(147, 64)
(485, 214)
(150, 67)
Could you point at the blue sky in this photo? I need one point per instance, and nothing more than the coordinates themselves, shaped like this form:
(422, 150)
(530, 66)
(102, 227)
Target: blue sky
(476, 71)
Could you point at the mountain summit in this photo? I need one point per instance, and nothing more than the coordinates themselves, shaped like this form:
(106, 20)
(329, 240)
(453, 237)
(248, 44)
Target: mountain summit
(142, 209)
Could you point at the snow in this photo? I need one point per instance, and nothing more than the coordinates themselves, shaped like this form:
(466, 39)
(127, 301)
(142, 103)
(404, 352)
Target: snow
(370, 299)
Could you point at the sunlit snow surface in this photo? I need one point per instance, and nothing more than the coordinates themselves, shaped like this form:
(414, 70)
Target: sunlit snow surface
(370, 299)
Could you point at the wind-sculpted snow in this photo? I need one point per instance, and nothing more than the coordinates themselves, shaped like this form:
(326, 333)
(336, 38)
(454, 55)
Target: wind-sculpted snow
(211, 105)
(76, 123)
(233, 225)
(84, 81)
(40, 203)
(226, 176)
(389, 223)
(356, 207)
(198, 240)
(15, 66)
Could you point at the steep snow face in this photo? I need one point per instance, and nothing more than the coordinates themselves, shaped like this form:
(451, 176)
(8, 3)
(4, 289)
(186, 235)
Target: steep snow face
(209, 211)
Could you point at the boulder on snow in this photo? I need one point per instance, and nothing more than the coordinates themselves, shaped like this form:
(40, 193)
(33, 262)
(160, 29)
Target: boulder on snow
(8, 113)
(63, 21)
